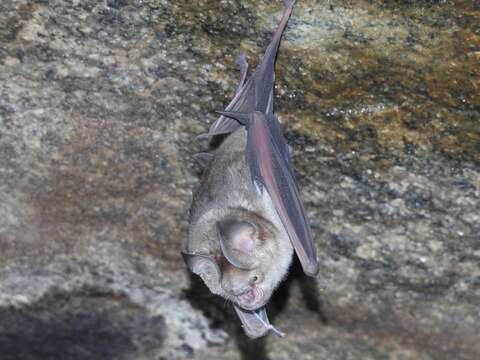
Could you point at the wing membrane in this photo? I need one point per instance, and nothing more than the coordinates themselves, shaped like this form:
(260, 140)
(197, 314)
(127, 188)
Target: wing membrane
(271, 169)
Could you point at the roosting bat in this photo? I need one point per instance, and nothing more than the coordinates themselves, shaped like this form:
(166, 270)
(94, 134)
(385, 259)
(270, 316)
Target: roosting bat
(246, 217)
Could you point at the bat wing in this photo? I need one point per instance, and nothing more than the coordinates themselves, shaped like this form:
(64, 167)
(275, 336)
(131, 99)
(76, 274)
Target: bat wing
(242, 102)
(256, 323)
(268, 158)
(256, 94)
(271, 169)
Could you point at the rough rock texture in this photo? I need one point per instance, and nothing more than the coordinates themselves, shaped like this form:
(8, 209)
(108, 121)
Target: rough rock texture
(99, 105)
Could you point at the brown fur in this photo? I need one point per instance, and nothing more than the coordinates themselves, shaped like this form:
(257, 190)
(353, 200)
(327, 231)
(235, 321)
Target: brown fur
(226, 191)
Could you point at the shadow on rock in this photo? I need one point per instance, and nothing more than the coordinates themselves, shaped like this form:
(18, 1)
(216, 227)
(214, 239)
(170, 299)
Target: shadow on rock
(83, 325)
(222, 316)
(309, 293)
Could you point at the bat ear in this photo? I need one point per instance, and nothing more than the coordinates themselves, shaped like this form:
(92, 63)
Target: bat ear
(201, 264)
(206, 267)
(237, 242)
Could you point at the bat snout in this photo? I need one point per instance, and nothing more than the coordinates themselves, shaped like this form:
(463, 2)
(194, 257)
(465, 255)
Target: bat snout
(248, 296)
(239, 291)
(252, 299)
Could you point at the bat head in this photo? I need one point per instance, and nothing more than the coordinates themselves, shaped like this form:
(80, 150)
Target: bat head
(252, 263)
(252, 258)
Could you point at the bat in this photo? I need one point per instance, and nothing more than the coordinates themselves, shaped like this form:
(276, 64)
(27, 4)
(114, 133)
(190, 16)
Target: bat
(246, 217)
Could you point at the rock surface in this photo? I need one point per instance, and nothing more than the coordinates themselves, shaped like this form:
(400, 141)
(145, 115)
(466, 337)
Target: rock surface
(99, 106)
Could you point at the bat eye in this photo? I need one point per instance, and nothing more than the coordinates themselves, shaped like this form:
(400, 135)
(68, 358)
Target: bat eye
(254, 279)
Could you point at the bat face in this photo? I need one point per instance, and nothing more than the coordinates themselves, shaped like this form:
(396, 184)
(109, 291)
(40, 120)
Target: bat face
(252, 260)
(246, 288)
